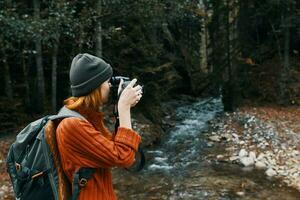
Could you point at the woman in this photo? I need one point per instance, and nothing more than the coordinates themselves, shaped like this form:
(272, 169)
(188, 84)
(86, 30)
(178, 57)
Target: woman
(88, 143)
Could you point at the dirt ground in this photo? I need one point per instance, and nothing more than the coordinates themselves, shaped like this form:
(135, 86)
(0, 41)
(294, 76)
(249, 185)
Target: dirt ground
(284, 118)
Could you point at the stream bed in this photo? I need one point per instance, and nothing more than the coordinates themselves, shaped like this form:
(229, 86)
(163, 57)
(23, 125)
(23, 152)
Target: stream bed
(179, 167)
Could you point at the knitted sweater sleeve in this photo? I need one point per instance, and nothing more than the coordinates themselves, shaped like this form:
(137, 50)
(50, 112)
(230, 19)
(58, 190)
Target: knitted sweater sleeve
(91, 149)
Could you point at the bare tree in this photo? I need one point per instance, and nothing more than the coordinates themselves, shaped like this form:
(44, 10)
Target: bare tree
(7, 78)
(39, 61)
(286, 57)
(98, 34)
(204, 40)
(26, 79)
(54, 74)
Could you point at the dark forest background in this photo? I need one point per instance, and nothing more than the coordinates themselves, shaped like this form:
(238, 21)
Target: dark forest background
(246, 51)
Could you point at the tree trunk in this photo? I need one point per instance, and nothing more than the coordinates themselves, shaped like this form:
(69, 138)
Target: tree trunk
(54, 76)
(218, 43)
(98, 34)
(286, 63)
(203, 44)
(26, 83)
(9, 3)
(286, 58)
(228, 84)
(39, 62)
(207, 39)
(81, 37)
(7, 78)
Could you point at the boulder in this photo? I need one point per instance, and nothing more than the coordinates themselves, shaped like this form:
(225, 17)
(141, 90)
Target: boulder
(260, 165)
(214, 138)
(270, 172)
(247, 161)
(252, 155)
(243, 153)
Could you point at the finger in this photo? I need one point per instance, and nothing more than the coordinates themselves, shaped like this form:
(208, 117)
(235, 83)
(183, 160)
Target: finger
(120, 85)
(131, 84)
(134, 103)
(139, 97)
(137, 88)
(121, 82)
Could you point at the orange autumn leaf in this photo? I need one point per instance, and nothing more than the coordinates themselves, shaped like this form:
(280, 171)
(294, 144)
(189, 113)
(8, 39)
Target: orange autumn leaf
(249, 61)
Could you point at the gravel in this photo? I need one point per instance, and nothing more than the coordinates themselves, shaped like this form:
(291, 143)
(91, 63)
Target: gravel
(253, 140)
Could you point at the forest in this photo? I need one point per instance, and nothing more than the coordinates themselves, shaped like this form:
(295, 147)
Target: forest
(245, 52)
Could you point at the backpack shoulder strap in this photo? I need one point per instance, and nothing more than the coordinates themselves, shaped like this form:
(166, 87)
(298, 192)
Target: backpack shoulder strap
(81, 177)
(65, 112)
(80, 180)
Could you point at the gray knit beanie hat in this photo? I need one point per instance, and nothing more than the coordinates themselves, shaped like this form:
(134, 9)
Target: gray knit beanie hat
(87, 73)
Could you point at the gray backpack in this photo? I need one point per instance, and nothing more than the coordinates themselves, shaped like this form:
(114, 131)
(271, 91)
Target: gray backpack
(34, 166)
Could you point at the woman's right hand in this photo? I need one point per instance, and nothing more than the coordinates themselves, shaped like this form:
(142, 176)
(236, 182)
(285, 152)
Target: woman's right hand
(130, 96)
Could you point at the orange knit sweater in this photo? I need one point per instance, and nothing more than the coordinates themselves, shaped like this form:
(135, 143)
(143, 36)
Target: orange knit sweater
(84, 143)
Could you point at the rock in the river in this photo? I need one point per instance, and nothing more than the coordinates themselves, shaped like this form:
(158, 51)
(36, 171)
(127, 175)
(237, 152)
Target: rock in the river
(260, 156)
(215, 138)
(247, 161)
(270, 172)
(235, 135)
(240, 193)
(243, 153)
(210, 144)
(252, 155)
(242, 142)
(260, 165)
(220, 156)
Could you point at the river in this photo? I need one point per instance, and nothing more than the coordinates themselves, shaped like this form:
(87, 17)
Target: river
(179, 167)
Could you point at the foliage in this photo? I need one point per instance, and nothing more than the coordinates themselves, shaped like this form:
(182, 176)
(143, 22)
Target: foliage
(142, 35)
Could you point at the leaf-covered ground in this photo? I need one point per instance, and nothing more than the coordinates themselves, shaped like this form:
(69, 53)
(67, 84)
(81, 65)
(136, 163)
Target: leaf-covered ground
(266, 138)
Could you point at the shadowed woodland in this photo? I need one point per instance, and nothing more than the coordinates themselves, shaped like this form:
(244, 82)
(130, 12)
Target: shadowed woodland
(247, 52)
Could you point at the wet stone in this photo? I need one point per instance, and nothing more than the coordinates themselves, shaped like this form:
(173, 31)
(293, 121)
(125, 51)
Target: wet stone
(240, 193)
(215, 138)
(270, 172)
(260, 165)
(247, 161)
(243, 153)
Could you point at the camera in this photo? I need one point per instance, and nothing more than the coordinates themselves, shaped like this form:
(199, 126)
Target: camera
(115, 81)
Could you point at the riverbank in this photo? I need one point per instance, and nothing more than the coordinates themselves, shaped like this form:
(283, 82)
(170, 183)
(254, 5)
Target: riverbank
(181, 164)
(265, 138)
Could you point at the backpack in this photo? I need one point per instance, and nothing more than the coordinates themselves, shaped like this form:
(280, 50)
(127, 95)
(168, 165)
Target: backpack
(33, 162)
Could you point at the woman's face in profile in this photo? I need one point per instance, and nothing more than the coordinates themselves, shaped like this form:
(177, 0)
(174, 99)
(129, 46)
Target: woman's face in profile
(105, 89)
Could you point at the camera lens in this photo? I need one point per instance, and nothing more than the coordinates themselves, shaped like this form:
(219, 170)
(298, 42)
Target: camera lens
(115, 80)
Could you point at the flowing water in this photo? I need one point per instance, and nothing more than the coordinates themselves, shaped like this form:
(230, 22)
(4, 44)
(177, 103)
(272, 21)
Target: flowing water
(178, 167)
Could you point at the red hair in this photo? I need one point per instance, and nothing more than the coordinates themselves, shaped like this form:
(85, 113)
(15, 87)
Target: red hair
(91, 101)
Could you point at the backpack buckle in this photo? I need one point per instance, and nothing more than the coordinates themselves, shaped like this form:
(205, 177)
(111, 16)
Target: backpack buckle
(18, 166)
(37, 175)
(83, 182)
